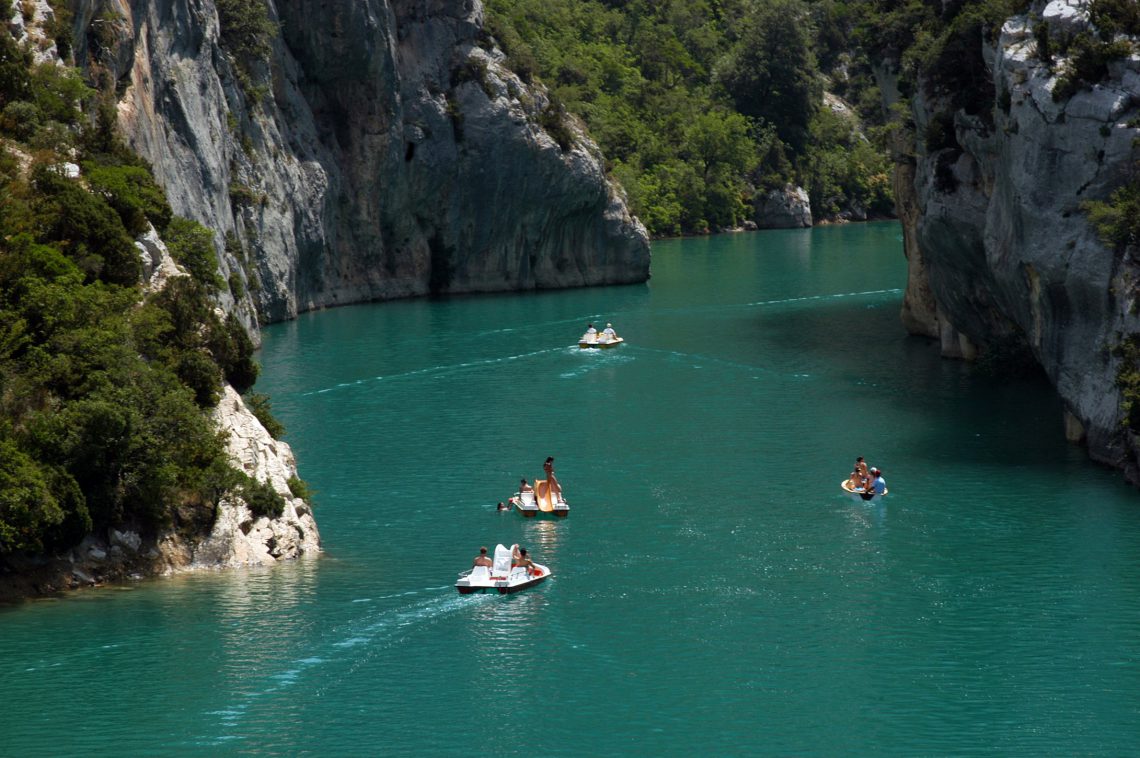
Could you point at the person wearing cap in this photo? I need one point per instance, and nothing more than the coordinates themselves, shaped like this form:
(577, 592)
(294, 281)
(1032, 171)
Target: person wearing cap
(482, 559)
(609, 331)
(878, 483)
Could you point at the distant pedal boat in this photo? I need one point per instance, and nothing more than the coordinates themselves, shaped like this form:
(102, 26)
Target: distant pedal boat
(589, 341)
(861, 496)
(501, 577)
(539, 502)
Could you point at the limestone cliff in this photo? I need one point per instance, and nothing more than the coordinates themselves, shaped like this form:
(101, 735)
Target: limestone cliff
(381, 150)
(1001, 253)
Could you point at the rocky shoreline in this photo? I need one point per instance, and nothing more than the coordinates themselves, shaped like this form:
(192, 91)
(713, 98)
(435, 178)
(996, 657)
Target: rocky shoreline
(236, 539)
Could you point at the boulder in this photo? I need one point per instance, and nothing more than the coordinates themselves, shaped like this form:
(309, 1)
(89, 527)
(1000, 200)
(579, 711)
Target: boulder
(784, 208)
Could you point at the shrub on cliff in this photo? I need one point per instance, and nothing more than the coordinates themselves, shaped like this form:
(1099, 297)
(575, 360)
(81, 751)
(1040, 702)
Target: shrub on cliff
(247, 33)
(1117, 220)
(262, 499)
(1114, 17)
(132, 192)
(1088, 63)
(1127, 350)
(192, 246)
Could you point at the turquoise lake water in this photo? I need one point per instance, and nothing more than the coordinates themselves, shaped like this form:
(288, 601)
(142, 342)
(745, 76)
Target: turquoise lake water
(714, 593)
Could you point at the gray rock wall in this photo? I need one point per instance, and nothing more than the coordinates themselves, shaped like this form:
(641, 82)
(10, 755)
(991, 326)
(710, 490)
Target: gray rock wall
(1000, 250)
(391, 155)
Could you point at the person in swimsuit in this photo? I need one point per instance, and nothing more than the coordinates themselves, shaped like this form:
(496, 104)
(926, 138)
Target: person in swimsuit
(524, 487)
(555, 487)
(482, 559)
(519, 558)
(859, 475)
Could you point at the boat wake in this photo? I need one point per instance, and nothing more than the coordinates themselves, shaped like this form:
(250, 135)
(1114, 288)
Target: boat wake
(542, 325)
(700, 361)
(808, 298)
(720, 307)
(350, 647)
(594, 360)
(429, 371)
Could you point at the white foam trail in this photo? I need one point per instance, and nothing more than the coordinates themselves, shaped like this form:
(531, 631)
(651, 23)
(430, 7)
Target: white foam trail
(590, 317)
(705, 360)
(432, 370)
(836, 296)
(354, 644)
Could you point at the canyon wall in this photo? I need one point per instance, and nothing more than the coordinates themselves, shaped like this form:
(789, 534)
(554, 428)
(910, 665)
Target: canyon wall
(1002, 255)
(382, 149)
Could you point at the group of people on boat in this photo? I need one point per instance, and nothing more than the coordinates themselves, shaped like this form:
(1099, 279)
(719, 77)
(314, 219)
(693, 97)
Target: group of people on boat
(524, 486)
(868, 482)
(607, 333)
(519, 558)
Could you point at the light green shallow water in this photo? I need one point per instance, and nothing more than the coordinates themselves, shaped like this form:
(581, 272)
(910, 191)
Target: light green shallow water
(714, 594)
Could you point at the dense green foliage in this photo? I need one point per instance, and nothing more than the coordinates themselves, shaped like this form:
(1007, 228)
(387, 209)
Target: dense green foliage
(701, 104)
(103, 390)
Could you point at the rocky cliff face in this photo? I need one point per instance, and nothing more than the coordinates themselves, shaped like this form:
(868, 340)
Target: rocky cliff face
(383, 150)
(1001, 253)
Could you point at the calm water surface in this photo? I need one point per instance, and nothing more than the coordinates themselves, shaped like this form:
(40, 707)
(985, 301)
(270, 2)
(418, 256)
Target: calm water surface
(714, 594)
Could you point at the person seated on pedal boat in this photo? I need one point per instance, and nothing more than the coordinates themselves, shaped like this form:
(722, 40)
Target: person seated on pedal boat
(859, 479)
(879, 484)
(519, 559)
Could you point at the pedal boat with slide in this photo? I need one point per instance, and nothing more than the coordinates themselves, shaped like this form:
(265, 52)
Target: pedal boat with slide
(501, 577)
(604, 341)
(540, 502)
(861, 495)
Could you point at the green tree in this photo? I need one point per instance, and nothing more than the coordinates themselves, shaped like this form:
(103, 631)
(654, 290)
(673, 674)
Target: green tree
(192, 246)
(771, 71)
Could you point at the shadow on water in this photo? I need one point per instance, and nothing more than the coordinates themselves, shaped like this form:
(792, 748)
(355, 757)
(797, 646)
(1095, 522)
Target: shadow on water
(971, 416)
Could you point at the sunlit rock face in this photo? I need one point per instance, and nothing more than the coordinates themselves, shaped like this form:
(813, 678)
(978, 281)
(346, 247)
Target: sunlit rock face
(383, 150)
(239, 538)
(1001, 254)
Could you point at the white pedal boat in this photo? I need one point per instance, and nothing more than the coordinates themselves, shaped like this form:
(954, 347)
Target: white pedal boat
(598, 340)
(500, 577)
(860, 495)
(540, 502)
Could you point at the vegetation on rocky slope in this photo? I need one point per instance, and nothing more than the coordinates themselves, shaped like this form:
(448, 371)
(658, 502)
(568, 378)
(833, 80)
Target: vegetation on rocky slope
(104, 390)
(699, 105)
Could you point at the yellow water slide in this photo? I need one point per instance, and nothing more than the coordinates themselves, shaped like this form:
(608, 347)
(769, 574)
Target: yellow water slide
(542, 495)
